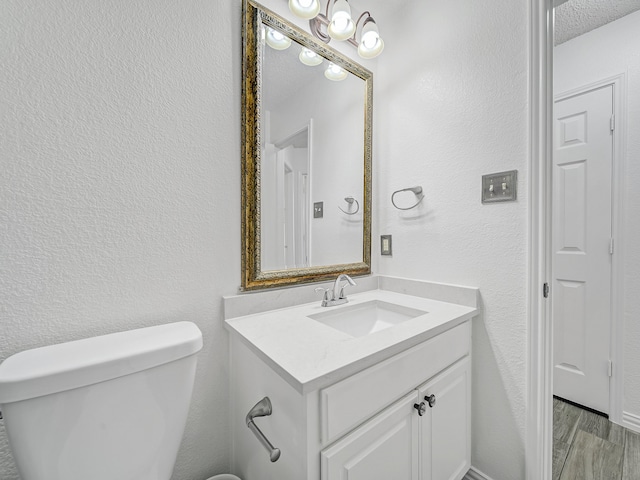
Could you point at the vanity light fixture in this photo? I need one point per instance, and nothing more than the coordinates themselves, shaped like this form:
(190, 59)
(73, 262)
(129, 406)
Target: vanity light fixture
(309, 57)
(277, 40)
(335, 72)
(340, 25)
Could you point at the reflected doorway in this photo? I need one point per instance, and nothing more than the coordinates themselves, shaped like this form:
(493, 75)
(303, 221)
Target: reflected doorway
(286, 202)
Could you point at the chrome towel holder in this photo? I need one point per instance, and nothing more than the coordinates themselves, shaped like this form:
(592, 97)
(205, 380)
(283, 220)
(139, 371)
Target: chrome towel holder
(417, 190)
(350, 200)
(262, 409)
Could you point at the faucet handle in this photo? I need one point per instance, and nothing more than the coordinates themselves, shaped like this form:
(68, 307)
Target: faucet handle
(326, 291)
(342, 295)
(350, 281)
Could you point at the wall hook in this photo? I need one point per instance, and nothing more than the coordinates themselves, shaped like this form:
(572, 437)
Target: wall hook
(350, 200)
(417, 190)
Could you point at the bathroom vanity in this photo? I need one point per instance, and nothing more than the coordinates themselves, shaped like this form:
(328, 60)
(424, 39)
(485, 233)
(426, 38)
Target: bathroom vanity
(377, 388)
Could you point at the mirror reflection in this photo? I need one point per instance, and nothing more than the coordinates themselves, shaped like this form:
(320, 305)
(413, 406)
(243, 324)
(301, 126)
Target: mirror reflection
(312, 157)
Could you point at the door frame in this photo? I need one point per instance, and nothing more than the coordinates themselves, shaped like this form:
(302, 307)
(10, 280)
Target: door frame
(616, 326)
(539, 416)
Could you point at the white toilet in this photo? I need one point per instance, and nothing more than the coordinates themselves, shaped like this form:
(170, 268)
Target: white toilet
(106, 408)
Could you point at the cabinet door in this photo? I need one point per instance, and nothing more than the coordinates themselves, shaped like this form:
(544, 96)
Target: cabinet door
(384, 448)
(445, 428)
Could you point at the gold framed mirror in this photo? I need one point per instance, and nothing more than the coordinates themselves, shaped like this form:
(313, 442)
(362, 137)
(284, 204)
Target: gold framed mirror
(306, 156)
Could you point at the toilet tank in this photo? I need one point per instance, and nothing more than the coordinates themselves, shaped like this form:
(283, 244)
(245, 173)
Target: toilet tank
(112, 407)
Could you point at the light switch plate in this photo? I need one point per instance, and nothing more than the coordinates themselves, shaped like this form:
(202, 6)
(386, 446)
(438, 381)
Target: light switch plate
(385, 245)
(500, 187)
(318, 210)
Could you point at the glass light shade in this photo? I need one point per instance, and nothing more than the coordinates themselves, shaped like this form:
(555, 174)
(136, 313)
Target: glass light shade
(335, 72)
(371, 45)
(342, 26)
(309, 57)
(306, 9)
(277, 40)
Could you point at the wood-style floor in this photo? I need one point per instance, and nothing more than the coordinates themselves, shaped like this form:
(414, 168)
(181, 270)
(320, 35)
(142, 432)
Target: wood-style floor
(587, 446)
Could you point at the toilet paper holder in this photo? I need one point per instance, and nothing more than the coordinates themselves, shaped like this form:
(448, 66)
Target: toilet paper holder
(262, 409)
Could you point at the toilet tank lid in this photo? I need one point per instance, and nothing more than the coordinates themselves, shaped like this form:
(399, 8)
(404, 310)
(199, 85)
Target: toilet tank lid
(56, 368)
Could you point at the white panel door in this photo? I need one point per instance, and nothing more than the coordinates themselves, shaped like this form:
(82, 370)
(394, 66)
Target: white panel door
(384, 448)
(445, 428)
(284, 208)
(581, 290)
(268, 206)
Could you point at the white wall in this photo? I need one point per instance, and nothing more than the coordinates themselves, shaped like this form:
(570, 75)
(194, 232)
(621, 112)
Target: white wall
(608, 51)
(119, 184)
(451, 105)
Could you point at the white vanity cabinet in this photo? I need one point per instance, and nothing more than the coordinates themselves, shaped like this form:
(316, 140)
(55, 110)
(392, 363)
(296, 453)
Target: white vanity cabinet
(445, 430)
(365, 426)
(386, 447)
(410, 439)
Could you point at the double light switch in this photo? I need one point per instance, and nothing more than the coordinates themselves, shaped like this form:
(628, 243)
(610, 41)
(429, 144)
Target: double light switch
(500, 187)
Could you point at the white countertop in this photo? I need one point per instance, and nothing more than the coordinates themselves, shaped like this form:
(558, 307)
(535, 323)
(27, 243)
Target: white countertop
(310, 355)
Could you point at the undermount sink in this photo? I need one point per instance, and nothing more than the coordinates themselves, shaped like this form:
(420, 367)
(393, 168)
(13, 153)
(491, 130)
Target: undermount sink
(366, 318)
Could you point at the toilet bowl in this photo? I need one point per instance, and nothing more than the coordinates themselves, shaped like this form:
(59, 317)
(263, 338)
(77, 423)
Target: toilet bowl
(103, 408)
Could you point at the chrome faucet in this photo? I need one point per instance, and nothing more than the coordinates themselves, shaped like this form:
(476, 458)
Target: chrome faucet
(336, 296)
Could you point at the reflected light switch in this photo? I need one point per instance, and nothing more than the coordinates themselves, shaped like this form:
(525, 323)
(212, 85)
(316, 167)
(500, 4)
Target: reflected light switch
(385, 244)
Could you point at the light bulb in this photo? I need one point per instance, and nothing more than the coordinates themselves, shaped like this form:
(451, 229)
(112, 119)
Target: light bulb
(370, 39)
(306, 9)
(277, 40)
(309, 57)
(335, 72)
(342, 25)
(371, 45)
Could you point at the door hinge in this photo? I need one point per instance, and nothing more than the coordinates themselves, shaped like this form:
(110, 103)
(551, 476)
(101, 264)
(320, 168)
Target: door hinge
(610, 368)
(545, 290)
(611, 246)
(612, 123)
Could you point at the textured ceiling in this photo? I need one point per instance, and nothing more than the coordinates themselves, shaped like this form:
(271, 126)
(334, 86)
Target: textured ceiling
(576, 17)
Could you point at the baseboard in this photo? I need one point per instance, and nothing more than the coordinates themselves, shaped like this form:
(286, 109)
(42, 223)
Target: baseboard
(631, 421)
(475, 474)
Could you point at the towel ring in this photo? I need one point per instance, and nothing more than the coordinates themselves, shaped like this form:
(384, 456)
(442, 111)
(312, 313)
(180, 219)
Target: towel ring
(350, 201)
(416, 190)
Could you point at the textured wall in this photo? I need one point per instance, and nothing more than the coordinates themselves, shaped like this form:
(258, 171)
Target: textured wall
(599, 54)
(120, 180)
(119, 183)
(451, 105)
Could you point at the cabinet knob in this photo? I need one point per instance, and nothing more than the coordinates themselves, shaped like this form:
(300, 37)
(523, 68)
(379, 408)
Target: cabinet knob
(421, 407)
(431, 400)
